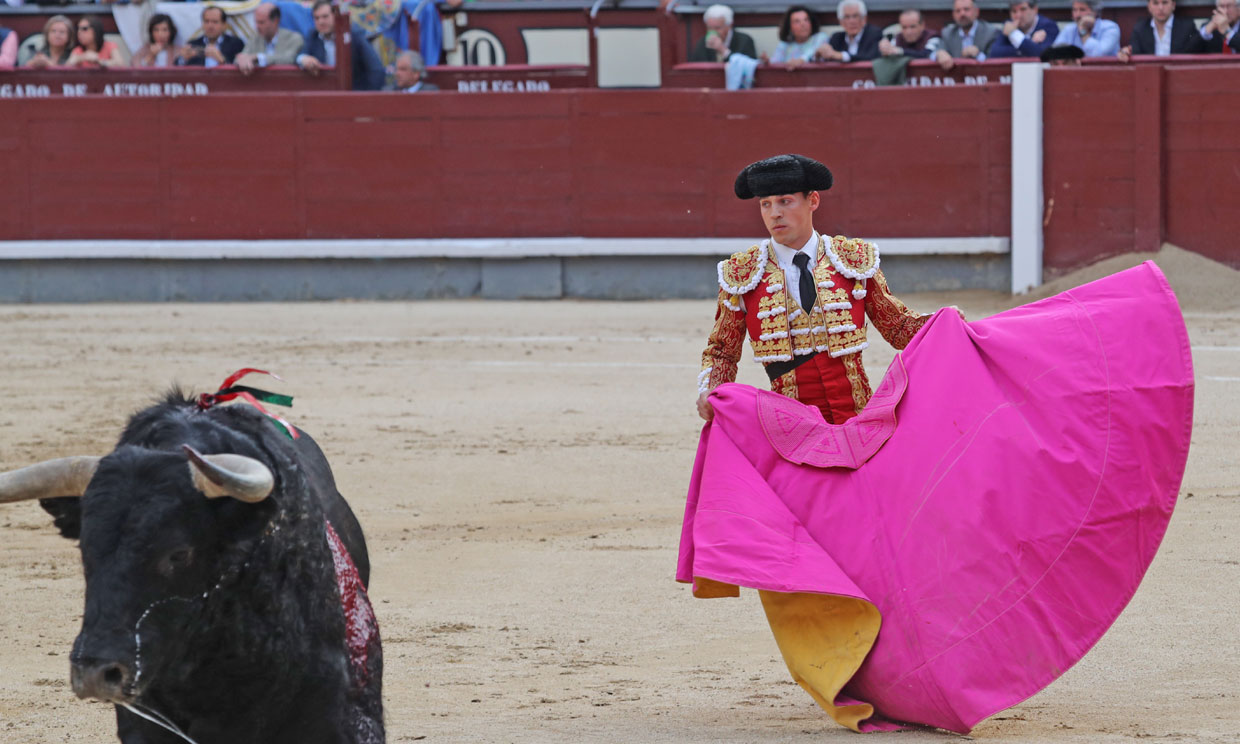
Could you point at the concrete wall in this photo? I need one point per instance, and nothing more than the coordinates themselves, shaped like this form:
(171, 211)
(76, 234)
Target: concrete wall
(33, 280)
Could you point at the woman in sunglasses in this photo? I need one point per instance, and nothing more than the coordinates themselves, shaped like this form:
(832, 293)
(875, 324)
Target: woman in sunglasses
(93, 50)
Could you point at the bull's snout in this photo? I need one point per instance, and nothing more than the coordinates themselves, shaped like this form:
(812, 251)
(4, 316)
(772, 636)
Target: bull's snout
(109, 681)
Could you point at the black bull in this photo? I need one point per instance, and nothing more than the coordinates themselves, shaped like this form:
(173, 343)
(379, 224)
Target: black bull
(213, 612)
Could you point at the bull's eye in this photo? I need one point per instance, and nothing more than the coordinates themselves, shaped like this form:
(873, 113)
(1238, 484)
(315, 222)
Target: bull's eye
(176, 560)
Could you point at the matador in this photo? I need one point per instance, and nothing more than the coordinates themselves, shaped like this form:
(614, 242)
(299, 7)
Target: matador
(802, 298)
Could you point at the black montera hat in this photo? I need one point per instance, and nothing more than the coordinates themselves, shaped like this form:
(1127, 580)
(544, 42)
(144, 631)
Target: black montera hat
(782, 174)
(1065, 52)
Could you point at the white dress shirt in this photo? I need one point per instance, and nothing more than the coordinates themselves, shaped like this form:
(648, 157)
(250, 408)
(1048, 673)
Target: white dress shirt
(207, 44)
(969, 38)
(784, 256)
(1162, 44)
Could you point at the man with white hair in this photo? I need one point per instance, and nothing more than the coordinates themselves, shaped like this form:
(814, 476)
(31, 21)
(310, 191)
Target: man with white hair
(409, 74)
(858, 42)
(1220, 32)
(1095, 36)
(721, 40)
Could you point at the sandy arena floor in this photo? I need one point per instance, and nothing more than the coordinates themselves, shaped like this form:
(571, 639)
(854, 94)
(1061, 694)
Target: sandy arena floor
(520, 470)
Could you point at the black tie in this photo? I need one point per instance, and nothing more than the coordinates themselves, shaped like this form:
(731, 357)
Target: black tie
(806, 285)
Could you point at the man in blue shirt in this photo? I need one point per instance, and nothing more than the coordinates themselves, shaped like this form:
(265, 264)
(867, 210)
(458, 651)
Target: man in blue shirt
(1095, 36)
(1027, 34)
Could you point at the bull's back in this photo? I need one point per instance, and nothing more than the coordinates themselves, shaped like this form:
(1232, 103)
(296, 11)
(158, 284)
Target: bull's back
(323, 485)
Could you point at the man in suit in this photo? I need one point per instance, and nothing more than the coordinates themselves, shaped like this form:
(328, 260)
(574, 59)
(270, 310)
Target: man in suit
(215, 46)
(1027, 34)
(320, 50)
(721, 40)
(858, 42)
(1163, 33)
(1219, 33)
(967, 38)
(409, 74)
(273, 45)
(914, 40)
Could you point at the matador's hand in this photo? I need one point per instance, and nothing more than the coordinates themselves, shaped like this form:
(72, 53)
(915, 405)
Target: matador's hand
(704, 408)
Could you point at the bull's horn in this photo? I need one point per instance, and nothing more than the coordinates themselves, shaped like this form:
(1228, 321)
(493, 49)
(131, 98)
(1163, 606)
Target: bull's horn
(240, 477)
(64, 476)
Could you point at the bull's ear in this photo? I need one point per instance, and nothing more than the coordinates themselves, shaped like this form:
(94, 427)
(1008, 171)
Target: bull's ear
(66, 514)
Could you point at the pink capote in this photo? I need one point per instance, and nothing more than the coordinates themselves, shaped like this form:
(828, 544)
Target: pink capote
(998, 501)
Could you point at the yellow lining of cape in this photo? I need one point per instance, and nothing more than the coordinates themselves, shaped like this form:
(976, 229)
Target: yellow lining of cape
(823, 639)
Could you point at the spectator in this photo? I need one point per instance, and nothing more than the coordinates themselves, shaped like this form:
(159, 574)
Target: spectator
(1162, 35)
(858, 42)
(57, 44)
(8, 47)
(799, 38)
(161, 50)
(914, 39)
(1063, 55)
(92, 50)
(216, 46)
(410, 74)
(1027, 34)
(320, 50)
(721, 39)
(967, 38)
(273, 45)
(1095, 36)
(1219, 33)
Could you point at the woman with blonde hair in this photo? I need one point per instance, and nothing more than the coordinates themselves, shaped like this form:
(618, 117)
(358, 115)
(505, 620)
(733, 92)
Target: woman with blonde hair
(58, 43)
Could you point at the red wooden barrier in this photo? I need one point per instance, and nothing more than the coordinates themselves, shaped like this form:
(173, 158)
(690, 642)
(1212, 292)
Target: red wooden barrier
(1133, 155)
(1136, 155)
(920, 73)
(561, 163)
(1201, 160)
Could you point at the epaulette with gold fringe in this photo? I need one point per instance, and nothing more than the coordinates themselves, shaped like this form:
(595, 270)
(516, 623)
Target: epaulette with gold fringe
(853, 257)
(742, 272)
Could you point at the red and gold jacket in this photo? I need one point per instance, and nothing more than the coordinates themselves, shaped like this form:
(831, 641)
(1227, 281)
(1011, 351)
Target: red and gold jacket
(754, 300)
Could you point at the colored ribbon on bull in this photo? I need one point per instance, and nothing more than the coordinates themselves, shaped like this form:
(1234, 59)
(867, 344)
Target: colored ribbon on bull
(229, 390)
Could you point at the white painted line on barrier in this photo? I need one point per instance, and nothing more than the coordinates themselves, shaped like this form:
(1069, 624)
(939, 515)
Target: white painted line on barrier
(1026, 225)
(1220, 379)
(544, 339)
(1216, 348)
(466, 248)
(556, 363)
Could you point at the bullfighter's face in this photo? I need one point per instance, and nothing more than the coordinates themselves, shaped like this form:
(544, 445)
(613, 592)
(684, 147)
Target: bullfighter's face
(789, 218)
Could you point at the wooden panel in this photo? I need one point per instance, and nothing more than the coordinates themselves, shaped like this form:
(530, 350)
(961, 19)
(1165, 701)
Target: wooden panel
(1202, 147)
(14, 153)
(591, 163)
(327, 134)
(328, 218)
